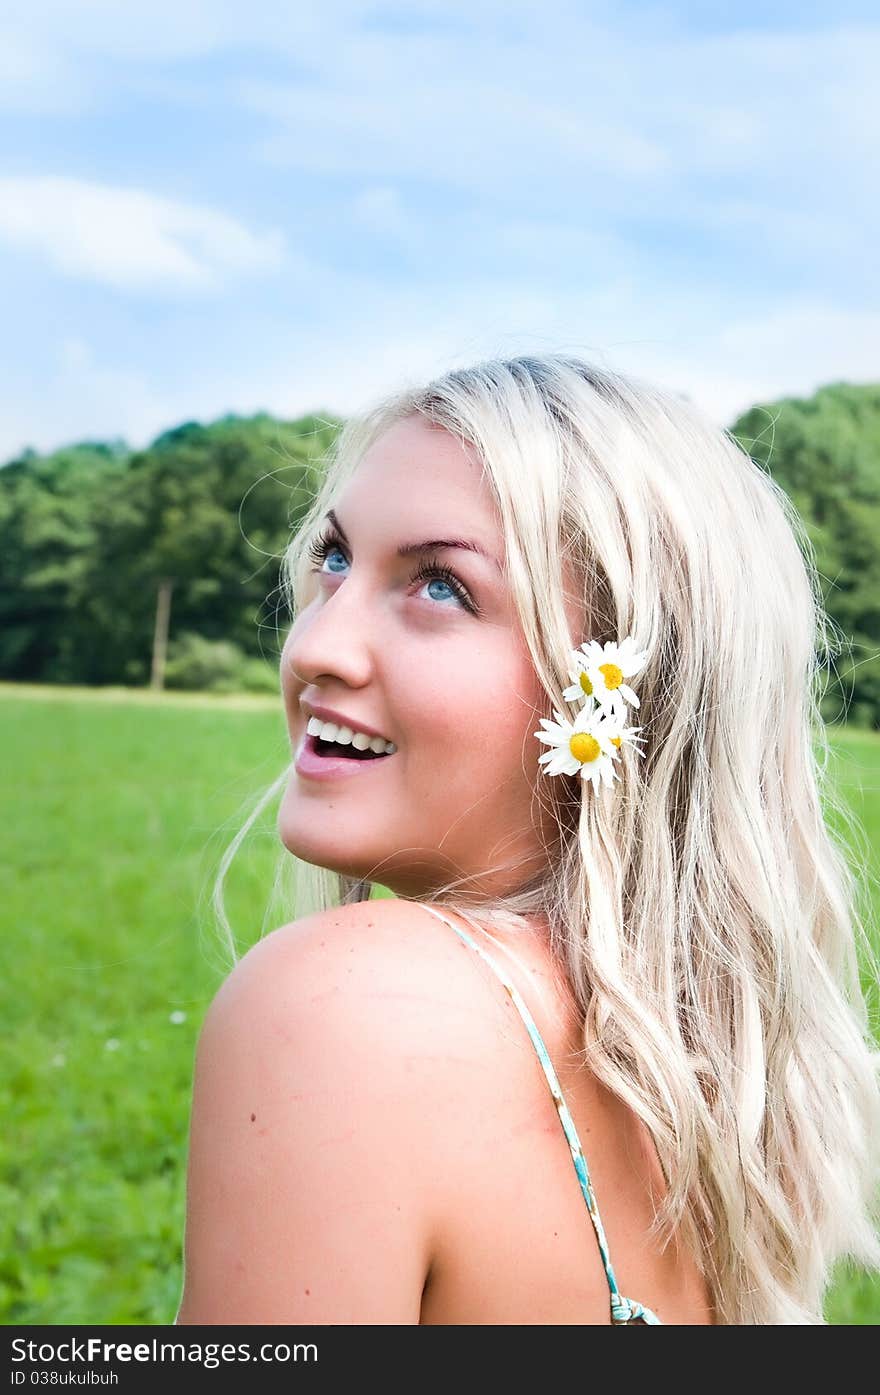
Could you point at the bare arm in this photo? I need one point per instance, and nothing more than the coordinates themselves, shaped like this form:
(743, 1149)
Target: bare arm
(306, 1183)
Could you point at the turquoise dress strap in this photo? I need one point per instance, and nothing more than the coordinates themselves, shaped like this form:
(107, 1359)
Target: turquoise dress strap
(623, 1310)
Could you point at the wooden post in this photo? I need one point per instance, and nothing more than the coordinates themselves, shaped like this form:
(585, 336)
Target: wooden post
(160, 634)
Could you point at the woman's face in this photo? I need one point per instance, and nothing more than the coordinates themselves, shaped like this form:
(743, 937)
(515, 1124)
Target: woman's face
(455, 690)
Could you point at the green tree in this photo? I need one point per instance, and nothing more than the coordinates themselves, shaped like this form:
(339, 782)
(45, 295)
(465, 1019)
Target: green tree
(47, 532)
(87, 535)
(825, 453)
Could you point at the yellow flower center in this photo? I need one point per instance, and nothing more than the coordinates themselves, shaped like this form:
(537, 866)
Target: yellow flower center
(586, 685)
(612, 674)
(615, 740)
(584, 747)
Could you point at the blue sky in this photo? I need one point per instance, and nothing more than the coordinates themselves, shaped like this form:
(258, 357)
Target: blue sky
(212, 207)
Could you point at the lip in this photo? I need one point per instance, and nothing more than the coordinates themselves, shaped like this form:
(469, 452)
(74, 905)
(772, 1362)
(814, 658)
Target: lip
(327, 714)
(314, 767)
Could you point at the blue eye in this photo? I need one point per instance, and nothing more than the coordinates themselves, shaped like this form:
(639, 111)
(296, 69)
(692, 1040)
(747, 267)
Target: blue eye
(429, 568)
(430, 571)
(331, 550)
(433, 578)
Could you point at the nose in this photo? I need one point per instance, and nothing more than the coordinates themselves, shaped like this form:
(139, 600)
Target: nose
(330, 639)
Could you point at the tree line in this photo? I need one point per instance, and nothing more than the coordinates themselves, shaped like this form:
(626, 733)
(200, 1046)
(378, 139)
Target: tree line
(98, 542)
(91, 533)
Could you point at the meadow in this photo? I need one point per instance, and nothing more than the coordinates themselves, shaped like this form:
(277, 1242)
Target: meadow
(116, 807)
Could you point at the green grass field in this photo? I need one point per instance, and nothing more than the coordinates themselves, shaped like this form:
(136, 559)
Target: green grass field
(115, 809)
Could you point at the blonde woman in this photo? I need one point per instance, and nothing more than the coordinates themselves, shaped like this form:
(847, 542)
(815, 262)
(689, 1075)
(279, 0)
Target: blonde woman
(603, 1057)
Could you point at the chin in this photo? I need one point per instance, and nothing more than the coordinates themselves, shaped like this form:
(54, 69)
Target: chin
(319, 854)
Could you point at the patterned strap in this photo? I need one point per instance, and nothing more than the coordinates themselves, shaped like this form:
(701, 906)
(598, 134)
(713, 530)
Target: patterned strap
(623, 1310)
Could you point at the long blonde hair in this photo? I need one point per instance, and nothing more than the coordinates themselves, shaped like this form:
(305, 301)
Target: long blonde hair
(706, 915)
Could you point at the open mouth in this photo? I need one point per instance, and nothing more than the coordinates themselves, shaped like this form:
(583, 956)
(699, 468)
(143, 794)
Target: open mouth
(346, 752)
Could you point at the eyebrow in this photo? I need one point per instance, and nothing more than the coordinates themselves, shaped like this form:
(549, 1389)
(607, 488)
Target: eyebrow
(430, 545)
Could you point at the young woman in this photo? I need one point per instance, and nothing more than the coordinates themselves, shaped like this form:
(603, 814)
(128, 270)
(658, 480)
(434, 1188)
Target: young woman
(603, 1057)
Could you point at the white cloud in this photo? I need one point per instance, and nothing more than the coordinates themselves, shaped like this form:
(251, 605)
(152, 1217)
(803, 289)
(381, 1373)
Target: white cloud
(344, 364)
(723, 362)
(68, 56)
(475, 95)
(131, 238)
(36, 78)
(396, 113)
(79, 395)
(616, 115)
(76, 398)
(723, 368)
(790, 351)
(380, 209)
(599, 108)
(795, 344)
(682, 205)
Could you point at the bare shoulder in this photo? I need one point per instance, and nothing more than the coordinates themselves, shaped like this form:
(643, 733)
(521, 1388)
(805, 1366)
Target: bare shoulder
(384, 969)
(328, 1069)
(387, 965)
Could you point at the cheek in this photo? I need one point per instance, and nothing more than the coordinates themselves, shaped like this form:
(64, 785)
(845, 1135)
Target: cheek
(478, 707)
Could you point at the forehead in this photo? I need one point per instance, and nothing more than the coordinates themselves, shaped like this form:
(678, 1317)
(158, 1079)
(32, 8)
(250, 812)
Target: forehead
(419, 474)
(418, 481)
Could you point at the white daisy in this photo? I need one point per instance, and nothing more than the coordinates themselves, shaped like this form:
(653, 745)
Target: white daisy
(587, 746)
(599, 671)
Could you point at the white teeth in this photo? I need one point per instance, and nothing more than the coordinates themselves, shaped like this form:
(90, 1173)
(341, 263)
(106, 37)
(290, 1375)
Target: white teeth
(348, 736)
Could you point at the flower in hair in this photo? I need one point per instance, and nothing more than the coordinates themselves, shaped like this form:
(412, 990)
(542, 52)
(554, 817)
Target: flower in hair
(599, 671)
(589, 744)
